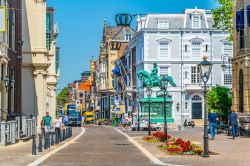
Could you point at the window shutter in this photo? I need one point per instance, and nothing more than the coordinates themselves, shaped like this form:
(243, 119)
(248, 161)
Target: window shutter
(248, 14)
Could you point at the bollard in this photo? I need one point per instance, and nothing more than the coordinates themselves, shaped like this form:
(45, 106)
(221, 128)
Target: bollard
(60, 135)
(52, 139)
(33, 145)
(71, 132)
(57, 138)
(66, 133)
(18, 123)
(45, 140)
(40, 143)
(48, 140)
(63, 134)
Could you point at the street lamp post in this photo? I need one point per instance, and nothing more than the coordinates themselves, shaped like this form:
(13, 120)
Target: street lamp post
(164, 88)
(149, 94)
(205, 71)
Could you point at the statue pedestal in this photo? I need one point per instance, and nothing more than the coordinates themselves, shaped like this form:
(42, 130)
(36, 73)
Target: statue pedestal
(157, 109)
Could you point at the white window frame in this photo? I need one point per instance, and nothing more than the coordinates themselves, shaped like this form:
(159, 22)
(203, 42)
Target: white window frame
(127, 36)
(228, 72)
(160, 49)
(194, 46)
(163, 24)
(198, 21)
(195, 75)
(226, 51)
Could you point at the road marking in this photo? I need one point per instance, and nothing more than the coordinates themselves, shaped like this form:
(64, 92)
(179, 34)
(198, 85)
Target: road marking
(151, 157)
(44, 157)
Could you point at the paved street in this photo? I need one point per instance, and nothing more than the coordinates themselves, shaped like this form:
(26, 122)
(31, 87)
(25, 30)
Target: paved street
(100, 146)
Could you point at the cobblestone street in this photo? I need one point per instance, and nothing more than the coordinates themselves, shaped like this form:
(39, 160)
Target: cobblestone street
(100, 146)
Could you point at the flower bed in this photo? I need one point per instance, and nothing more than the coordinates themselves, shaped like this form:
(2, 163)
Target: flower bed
(182, 147)
(173, 145)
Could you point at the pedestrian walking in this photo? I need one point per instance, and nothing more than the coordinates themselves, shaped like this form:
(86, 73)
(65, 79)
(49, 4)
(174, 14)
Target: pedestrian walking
(42, 127)
(66, 120)
(47, 122)
(124, 123)
(58, 126)
(212, 117)
(233, 122)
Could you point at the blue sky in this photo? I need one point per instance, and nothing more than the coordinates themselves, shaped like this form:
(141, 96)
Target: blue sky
(81, 24)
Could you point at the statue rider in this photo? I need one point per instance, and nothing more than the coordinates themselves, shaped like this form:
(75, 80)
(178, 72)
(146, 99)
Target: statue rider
(154, 73)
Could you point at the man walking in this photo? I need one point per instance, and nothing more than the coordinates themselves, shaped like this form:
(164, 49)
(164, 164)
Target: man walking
(47, 122)
(233, 121)
(212, 117)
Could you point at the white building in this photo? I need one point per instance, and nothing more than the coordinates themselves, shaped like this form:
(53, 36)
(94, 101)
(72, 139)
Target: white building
(177, 43)
(40, 69)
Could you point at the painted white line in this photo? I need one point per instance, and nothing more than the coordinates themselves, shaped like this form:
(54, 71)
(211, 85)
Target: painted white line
(44, 157)
(151, 157)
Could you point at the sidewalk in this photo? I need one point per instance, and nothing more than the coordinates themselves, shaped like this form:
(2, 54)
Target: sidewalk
(21, 153)
(232, 152)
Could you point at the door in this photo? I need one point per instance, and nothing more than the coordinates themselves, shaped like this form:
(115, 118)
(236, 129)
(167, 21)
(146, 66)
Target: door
(196, 110)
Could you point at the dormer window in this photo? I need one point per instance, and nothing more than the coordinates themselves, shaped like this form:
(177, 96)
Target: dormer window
(128, 36)
(196, 21)
(163, 24)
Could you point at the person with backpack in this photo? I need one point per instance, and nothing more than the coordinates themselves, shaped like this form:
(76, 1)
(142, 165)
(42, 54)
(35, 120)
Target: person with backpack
(124, 123)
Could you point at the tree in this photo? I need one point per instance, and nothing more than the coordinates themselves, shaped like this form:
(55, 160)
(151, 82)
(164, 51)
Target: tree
(223, 16)
(220, 100)
(62, 97)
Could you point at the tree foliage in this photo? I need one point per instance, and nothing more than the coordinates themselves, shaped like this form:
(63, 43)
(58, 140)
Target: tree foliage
(223, 16)
(62, 96)
(220, 99)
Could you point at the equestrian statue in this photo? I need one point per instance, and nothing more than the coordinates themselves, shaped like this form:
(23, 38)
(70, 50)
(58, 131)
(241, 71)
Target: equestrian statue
(153, 79)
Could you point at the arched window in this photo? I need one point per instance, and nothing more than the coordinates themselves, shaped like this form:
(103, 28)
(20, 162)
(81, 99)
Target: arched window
(196, 98)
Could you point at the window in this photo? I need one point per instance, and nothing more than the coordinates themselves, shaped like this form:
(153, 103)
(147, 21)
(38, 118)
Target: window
(128, 36)
(186, 48)
(163, 24)
(163, 70)
(196, 98)
(196, 21)
(195, 75)
(164, 49)
(196, 49)
(186, 105)
(227, 48)
(227, 76)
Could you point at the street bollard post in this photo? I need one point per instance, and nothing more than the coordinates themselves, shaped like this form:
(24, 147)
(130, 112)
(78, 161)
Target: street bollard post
(63, 134)
(57, 138)
(45, 140)
(67, 133)
(40, 143)
(52, 139)
(33, 145)
(48, 139)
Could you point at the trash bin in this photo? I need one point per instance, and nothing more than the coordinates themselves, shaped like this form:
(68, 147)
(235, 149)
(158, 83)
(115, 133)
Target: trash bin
(115, 121)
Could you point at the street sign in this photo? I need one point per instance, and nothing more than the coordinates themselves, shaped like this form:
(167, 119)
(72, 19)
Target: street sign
(2, 19)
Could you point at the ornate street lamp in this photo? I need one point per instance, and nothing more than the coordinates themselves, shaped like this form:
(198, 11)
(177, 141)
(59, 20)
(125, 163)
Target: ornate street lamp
(149, 94)
(164, 89)
(205, 68)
